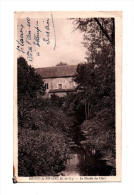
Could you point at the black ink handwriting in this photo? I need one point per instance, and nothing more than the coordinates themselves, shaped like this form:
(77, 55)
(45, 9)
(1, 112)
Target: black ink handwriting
(28, 21)
(29, 54)
(20, 49)
(21, 39)
(47, 27)
(37, 35)
(28, 37)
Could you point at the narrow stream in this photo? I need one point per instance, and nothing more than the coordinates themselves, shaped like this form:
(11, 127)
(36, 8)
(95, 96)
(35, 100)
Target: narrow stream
(72, 167)
(77, 165)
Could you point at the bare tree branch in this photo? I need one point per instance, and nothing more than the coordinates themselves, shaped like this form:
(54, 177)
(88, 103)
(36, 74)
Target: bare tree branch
(104, 32)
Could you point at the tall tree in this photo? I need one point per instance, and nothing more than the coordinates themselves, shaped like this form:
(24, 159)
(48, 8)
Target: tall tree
(99, 37)
(96, 86)
(96, 78)
(30, 86)
(29, 82)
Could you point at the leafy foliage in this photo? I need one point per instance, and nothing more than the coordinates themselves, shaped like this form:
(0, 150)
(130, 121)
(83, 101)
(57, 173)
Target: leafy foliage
(97, 31)
(41, 153)
(100, 134)
(88, 117)
(96, 86)
(43, 127)
(29, 82)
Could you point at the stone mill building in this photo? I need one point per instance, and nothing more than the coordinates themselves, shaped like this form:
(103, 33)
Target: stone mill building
(58, 79)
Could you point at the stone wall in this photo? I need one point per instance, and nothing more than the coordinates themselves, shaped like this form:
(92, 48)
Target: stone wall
(60, 83)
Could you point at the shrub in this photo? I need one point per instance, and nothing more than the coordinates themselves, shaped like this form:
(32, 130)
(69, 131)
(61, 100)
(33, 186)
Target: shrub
(41, 153)
(99, 133)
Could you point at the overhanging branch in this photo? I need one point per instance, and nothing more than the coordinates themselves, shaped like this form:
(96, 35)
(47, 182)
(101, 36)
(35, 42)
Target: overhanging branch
(104, 31)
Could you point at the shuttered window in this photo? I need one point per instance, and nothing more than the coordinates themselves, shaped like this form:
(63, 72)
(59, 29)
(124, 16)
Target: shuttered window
(46, 85)
(60, 86)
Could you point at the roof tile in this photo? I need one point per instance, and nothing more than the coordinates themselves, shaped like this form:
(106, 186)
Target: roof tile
(57, 71)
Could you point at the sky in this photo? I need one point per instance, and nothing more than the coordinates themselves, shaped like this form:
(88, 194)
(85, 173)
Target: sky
(45, 42)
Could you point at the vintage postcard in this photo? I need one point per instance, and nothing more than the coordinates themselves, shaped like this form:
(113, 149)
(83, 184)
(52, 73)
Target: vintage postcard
(67, 96)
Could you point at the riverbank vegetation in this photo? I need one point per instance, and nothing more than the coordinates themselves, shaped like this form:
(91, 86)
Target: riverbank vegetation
(46, 127)
(43, 127)
(96, 88)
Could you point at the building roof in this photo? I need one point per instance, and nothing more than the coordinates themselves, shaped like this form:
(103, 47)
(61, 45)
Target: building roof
(57, 71)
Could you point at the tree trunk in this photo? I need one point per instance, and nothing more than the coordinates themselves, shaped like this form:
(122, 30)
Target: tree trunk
(86, 110)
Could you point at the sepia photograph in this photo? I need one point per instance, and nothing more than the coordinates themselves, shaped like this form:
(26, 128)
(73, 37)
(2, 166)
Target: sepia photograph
(67, 97)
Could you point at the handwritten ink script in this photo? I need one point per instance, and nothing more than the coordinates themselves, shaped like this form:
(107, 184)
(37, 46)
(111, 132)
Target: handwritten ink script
(47, 27)
(20, 41)
(34, 35)
(37, 35)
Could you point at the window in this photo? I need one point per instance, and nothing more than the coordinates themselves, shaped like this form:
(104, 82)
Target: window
(71, 84)
(60, 86)
(46, 85)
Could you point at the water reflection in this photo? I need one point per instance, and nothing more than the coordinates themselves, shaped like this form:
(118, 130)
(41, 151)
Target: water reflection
(72, 167)
(81, 164)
